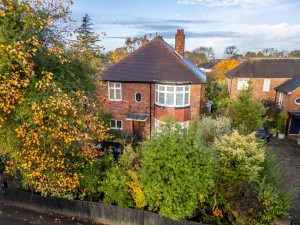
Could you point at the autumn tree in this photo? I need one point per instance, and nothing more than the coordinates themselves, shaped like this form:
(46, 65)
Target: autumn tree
(55, 132)
(118, 54)
(223, 67)
(18, 46)
(130, 45)
(47, 132)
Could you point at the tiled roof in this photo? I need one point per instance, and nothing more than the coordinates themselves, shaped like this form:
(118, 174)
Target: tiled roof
(290, 85)
(208, 65)
(267, 68)
(156, 61)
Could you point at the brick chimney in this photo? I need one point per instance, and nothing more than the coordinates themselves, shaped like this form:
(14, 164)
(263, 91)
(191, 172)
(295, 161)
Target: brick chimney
(144, 40)
(179, 42)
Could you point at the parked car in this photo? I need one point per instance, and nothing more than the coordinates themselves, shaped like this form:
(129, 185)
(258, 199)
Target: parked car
(115, 147)
(263, 134)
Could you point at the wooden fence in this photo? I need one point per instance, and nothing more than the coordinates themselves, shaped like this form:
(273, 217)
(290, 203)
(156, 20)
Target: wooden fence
(95, 211)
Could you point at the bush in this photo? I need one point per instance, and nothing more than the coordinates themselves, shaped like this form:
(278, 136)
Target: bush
(281, 122)
(177, 170)
(246, 114)
(272, 109)
(121, 184)
(239, 157)
(210, 128)
(275, 201)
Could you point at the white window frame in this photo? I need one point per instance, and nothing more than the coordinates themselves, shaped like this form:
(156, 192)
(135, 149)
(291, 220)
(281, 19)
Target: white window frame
(135, 97)
(116, 127)
(280, 100)
(296, 101)
(115, 87)
(243, 83)
(159, 123)
(267, 84)
(163, 91)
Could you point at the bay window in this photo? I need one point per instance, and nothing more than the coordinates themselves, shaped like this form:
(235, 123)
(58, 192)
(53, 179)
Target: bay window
(172, 95)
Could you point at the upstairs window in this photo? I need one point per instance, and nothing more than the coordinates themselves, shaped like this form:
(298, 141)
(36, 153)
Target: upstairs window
(297, 101)
(266, 87)
(138, 97)
(172, 95)
(243, 83)
(114, 91)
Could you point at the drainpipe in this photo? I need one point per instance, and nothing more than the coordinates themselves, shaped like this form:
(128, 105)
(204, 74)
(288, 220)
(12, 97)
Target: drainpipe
(150, 107)
(230, 87)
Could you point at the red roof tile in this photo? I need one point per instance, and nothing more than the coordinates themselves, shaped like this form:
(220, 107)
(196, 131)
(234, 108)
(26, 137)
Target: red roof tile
(156, 61)
(267, 68)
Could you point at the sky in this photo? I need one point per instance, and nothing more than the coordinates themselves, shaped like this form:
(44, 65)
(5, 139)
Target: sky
(250, 25)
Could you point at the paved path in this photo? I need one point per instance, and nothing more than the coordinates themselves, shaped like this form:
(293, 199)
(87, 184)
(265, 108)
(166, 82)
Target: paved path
(288, 159)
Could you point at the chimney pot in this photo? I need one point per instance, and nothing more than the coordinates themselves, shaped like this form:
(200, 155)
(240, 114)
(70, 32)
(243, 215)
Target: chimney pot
(144, 40)
(179, 42)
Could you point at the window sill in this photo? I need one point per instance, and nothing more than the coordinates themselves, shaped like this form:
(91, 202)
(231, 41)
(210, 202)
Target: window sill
(172, 107)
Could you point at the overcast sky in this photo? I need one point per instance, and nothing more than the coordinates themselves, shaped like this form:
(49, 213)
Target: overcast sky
(250, 25)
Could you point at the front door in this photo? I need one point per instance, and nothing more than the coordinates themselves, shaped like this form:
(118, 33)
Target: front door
(139, 130)
(295, 126)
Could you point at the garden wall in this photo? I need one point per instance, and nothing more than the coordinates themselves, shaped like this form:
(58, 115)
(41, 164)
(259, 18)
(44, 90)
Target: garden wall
(97, 212)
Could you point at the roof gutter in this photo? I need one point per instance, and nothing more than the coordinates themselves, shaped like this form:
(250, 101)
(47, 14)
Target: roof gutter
(172, 82)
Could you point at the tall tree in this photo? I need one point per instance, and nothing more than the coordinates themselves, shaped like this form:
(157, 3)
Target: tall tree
(294, 53)
(270, 52)
(86, 40)
(131, 44)
(230, 52)
(47, 132)
(200, 55)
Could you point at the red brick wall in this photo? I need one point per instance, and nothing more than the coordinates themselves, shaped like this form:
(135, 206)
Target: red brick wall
(257, 83)
(292, 107)
(288, 103)
(196, 98)
(180, 114)
(120, 109)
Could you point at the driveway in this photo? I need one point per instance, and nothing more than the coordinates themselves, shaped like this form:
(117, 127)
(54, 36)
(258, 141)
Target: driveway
(288, 159)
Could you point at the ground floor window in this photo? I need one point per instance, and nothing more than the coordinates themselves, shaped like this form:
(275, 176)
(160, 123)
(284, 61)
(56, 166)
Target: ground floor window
(116, 124)
(159, 124)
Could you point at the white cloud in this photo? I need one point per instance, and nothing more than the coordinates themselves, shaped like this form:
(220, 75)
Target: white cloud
(277, 32)
(222, 3)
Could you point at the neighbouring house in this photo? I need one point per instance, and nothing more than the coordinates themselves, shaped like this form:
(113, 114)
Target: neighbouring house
(272, 79)
(153, 83)
(208, 66)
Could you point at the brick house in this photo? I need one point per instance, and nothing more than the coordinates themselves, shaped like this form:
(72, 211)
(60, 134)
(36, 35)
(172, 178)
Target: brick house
(272, 79)
(150, 84)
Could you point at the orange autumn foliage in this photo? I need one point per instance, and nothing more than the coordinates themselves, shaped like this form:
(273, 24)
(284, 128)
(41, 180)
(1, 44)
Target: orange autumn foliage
(223, 67)
(57, 142)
